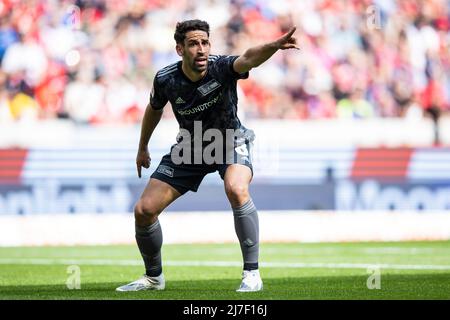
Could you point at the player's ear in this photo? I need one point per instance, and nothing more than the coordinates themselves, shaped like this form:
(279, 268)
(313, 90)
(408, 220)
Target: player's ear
(179, 49)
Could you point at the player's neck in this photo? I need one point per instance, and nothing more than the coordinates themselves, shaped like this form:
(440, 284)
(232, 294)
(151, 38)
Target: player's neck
(191, 74)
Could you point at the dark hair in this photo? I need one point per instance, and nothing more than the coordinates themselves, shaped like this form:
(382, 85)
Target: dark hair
(189, 25)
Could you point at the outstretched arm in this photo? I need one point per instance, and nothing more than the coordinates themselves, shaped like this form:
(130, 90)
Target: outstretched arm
(255, 56)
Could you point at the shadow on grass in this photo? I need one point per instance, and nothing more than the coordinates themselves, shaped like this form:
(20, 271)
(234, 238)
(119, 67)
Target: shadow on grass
(412, 286)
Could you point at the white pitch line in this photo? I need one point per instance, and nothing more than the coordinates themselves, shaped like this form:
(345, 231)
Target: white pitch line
(109, 262)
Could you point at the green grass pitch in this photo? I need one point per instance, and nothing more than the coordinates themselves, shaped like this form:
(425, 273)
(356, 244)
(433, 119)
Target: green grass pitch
(408, 270)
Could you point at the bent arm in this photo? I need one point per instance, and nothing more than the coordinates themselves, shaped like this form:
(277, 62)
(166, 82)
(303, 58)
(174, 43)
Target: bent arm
(255, 56)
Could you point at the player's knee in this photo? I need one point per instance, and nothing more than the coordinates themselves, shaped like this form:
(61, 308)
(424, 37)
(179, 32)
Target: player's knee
(237, 193)
(145, 212)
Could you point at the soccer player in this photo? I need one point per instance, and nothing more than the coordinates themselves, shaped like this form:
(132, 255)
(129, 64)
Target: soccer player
(202, 90)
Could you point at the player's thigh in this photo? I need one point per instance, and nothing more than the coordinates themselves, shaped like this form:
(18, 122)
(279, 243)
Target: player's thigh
(156, 196)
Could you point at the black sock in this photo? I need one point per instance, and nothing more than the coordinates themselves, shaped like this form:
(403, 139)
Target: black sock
(251, 266)
(149, 240)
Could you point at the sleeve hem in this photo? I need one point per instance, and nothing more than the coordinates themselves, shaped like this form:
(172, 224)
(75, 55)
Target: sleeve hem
(236, 74)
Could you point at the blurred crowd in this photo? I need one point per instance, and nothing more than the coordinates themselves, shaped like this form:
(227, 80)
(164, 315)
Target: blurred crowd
(93, 61)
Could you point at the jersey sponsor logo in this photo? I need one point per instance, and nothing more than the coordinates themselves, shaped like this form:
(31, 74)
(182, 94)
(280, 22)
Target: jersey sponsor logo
(201, 107)
(209, 87)
(168, 171)
(179, 100)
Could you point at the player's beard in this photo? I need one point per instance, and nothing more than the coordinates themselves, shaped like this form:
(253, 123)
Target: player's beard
(197, 67)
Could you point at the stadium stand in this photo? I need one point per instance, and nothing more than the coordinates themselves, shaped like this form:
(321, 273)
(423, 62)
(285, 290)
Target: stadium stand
(354, 64)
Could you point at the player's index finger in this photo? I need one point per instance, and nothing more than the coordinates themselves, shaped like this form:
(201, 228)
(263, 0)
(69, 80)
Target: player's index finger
(139, 170)
(291, 32)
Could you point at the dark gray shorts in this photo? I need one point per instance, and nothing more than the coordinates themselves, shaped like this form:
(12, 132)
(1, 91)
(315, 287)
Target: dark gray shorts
(185, 177)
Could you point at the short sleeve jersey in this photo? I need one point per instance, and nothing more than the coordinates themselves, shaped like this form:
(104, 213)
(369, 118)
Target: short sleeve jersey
(212, 100)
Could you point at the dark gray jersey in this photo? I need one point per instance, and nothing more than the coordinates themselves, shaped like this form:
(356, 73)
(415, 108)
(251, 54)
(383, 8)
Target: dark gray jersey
(212, 100)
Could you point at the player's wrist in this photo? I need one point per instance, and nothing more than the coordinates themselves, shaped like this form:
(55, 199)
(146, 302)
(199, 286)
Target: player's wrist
(275, 45)
(143, 148)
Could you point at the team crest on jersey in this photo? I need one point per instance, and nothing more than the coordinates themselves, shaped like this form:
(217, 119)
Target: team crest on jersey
(208, 87)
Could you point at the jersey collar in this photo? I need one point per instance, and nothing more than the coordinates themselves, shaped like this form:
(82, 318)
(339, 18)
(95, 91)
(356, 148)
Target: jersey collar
(180, 69)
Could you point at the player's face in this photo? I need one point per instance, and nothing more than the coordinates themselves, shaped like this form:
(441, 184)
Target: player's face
(195, 50)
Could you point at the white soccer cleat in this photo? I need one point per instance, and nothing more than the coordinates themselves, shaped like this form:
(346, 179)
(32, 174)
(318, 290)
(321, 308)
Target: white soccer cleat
(145, 283)
(251, 281)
